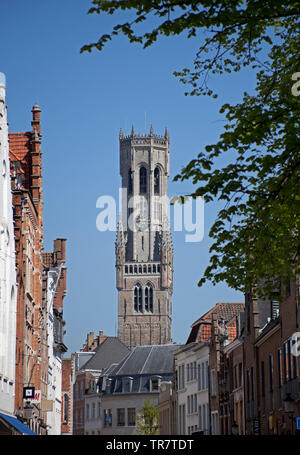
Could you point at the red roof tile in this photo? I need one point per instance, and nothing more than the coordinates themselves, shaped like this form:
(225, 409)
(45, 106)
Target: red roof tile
(201, 329)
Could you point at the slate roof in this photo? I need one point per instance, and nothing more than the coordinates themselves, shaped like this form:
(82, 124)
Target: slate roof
(141, 364)
(112, 350)
(153, 359)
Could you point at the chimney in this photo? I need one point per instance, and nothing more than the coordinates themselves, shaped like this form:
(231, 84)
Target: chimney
(101, 337)
(90, 340)
(36, 158)
(60, 250)
(36, 112)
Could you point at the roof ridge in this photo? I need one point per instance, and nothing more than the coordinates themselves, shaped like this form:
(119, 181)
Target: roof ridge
(147, 359)
(126, 358)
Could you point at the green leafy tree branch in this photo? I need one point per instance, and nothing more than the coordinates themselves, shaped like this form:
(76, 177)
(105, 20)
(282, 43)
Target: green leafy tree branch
(256, 233)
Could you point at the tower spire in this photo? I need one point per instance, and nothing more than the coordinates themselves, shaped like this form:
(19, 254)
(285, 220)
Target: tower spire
(132, 131)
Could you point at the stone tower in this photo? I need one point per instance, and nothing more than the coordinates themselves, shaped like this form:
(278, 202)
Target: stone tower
(144, 252)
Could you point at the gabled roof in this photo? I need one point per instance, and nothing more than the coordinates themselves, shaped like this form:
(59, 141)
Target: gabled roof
(112, 350)
(201, 328)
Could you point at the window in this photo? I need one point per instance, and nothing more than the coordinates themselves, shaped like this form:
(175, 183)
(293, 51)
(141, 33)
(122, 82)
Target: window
(149, 297)
(271, 381)
(155, 383)
(213, 383)
(127, 384)
(215, 423)
(87, 414)
(263, 392)
(285, 362)
(93, 411)
(199, 376)
(240, 374)
(274, 308)
(143, 180)
(138, 298)
(66, 403)
(107, 418)
(120, 417)
(131, 417)
(248, 394)
(156, 181)
(289, 343)
(130, 182)
(182, 428)
(200, 417)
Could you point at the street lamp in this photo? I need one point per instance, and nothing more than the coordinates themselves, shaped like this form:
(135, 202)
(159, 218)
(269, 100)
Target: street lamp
(288, 406)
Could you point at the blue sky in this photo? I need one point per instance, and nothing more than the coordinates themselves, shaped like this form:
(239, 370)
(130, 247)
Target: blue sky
(85, 100)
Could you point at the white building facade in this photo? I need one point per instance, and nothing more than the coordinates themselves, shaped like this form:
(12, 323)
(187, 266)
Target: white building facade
(93, 421)
(55, 355)
(192, 373)
(8, 289)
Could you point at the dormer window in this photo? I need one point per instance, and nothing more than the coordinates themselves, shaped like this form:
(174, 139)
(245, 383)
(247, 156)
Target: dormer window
(155, 383)
(127, 384)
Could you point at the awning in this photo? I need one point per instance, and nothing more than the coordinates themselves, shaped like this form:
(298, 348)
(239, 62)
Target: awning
(17, 424)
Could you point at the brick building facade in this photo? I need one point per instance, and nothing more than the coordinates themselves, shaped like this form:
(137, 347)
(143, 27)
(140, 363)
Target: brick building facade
(224, 330)
(31, 338)
(34, 342)
(271, 369)
(67, 396)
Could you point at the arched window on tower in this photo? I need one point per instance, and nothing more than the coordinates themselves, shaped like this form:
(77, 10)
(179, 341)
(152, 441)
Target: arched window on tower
(143, 180)
(130, 180)
(156, 181)
(138, 298)
(149, 297)
(146, 298)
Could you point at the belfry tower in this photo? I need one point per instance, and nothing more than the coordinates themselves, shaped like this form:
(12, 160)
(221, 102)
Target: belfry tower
(144, 251)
